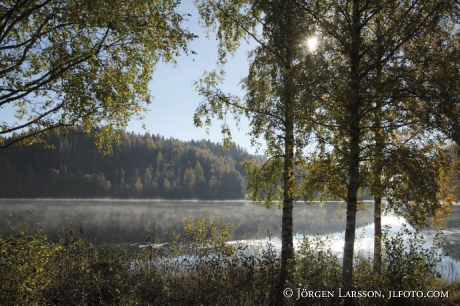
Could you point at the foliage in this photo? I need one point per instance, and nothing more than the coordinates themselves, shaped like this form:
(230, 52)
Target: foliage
(317, 265)
(407, 265)
(423, 182)
(65, 63)
(437, 88)
(85, 273)
(350, 96)
(24, 259)
(204, 240)
(277, 110)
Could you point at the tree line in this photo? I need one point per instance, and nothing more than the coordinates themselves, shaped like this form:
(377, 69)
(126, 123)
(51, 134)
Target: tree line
(141, 166)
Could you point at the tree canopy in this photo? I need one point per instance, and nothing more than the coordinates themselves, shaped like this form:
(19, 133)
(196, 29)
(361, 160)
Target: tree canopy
(68, 62)
(354, 94)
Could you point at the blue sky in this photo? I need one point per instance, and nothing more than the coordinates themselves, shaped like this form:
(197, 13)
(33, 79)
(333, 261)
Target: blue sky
(175, 97)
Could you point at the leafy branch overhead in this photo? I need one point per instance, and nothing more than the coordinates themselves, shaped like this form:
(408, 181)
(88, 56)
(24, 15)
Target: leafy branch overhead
(64, 63)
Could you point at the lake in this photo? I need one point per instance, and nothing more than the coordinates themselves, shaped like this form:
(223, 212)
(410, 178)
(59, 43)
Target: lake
(127, 221)
(136, 221)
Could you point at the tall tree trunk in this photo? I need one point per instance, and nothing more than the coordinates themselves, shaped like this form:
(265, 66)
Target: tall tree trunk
(379, 159)
(377, 188)
(352, 201)
(287, 245)
(354, 153)
(377, 235)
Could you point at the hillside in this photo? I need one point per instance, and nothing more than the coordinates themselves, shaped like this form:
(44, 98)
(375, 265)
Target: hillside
(142, 166)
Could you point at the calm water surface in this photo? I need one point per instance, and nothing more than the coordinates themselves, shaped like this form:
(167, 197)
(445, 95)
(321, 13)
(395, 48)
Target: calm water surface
(136, 221)
(128, 221)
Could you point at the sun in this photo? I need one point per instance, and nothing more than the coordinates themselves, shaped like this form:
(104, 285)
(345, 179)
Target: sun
(312, 42)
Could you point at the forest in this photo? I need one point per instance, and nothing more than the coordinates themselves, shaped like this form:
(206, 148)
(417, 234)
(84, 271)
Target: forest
(141, 166)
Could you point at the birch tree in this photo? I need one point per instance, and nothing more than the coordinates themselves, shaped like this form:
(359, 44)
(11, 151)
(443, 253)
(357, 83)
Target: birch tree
(67, 63)
(276, 104)
(412, 168)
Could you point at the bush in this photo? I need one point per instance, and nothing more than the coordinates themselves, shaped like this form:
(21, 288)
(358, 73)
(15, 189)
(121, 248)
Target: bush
(24, 258)
(317, 265)
(209, 271)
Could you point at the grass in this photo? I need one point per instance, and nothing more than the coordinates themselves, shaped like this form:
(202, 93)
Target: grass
(200, 268)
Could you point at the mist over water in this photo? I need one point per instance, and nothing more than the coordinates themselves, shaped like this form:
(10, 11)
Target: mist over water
(140, 221)
(128, 221)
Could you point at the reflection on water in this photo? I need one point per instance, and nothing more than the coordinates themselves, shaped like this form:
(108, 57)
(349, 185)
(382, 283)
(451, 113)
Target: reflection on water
(133, 221)
(127, 221)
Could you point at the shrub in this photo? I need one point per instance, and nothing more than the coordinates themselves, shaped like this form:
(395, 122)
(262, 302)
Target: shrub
(24, 257)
